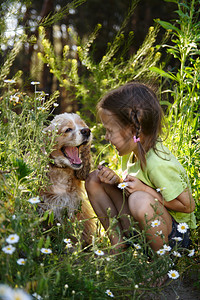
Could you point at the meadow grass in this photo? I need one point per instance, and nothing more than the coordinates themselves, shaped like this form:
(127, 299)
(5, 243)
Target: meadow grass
(37, 258)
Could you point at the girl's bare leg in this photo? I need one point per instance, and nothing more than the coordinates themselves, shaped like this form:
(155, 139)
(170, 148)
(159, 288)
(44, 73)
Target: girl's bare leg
(145, 209)
(103, 197)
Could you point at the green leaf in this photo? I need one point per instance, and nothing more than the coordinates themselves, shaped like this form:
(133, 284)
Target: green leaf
(165, 103)
(174, 1)
(163, 73)
(168, 26)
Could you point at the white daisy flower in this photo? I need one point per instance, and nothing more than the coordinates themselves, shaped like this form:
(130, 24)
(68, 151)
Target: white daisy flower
(36, 296)
(167, 248)
(191, 252)
(9, 81)
(46, 251)
(12, 239)
(41, 108)
(109, 293)
(67, 241)
(34, 200)
(122, 185)
(99, 252)
(9, 249)
(35, 82)
(5, 292)
(158, 233)
(14, 98)
(21, 261)
(155, 223)
(136, 286)
(173, 274)
(19, 294)
(137, 246)
(161, 251)
(108, 258)
(68, 245)
(182, 227)
(177, 254)
(177, 238)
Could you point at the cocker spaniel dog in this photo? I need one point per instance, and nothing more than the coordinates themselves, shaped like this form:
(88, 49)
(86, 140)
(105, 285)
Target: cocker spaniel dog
(70, 165)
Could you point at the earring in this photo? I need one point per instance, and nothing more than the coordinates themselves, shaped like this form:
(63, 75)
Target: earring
(136, 140)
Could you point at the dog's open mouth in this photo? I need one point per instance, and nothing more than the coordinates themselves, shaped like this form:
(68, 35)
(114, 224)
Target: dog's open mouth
(72, 154)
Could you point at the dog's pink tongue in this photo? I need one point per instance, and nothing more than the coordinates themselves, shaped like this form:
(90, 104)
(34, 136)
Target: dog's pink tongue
(72, 153)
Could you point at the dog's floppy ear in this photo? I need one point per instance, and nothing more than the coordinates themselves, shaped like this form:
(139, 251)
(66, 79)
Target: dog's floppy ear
(86, 159)
(50, 128)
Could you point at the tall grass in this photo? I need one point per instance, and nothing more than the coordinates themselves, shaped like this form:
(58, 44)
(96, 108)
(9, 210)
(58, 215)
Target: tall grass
(54, 267)
(183, 84)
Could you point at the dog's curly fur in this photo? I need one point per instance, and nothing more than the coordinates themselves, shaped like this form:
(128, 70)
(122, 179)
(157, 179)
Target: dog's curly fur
(71, 165)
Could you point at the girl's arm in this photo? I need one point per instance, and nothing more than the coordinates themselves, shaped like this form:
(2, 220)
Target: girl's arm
(183, 203)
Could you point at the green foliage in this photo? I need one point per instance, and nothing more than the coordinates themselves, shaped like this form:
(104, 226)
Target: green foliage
(51, 268)
(113, 70)
(183, 86)
(77, 272)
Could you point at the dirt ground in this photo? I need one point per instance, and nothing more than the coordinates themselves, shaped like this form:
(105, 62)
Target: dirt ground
(180, 289)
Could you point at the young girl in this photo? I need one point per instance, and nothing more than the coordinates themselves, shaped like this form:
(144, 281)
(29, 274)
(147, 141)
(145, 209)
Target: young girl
(157, 188)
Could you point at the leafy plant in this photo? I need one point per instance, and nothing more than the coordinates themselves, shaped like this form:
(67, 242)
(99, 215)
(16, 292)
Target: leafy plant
(184, 82)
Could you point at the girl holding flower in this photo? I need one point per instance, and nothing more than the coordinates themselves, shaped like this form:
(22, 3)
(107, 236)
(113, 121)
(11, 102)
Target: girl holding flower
(156, 185)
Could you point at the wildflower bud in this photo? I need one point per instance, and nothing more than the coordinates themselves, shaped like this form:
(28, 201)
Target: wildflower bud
(151, 29)
(51, 60)
(74, 61)
(99, 26)
(40, 56)
(41, 30)
(73, 292)
(66, 286)
(158, 55)
(66, 49)
(66, 82)
(69, 29)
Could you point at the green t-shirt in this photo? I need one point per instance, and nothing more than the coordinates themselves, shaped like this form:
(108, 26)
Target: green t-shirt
(163, 172)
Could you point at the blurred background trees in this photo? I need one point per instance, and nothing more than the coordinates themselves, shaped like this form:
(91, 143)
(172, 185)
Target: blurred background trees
(68, 23)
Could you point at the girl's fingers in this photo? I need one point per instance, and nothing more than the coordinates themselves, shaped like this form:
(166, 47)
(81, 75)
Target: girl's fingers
(129, 178)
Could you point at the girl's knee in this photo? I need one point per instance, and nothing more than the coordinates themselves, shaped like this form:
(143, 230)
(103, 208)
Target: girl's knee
(139, 203)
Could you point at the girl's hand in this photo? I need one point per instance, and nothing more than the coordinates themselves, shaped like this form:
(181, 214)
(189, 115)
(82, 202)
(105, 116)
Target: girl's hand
(134, 184)
(107, 175)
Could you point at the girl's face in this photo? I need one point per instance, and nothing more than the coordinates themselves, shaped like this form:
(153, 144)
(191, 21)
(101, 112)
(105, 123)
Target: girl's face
(119, 136)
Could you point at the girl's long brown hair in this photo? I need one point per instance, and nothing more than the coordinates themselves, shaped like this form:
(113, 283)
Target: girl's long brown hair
(136, 105)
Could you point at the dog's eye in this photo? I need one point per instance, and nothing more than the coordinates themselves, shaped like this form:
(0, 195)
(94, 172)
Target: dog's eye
(68, 130)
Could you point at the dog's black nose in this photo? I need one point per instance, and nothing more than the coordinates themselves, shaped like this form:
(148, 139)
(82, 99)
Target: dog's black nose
(85, 132)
